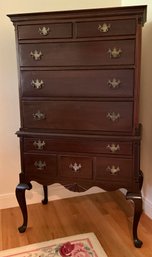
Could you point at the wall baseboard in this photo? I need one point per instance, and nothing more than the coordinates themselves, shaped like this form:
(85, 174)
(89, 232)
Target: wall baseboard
(8, 201)
(57, 192)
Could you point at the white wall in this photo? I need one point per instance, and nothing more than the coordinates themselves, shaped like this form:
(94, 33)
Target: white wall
(146, 104)
(9, 107)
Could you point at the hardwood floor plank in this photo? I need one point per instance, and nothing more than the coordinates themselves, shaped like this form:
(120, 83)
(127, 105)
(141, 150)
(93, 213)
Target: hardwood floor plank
(0, 230)
(106, 214)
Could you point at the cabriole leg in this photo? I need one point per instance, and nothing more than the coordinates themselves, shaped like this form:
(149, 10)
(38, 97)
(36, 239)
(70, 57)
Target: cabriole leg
(20, 195)
(137, 199)
(45, 200)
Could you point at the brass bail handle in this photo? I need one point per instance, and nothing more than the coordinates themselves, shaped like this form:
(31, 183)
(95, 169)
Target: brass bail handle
(44, 31)
(103, 28)
(38, 115)
(114, 83)
(39, 144)
(113, 116)
(40, 165)
(115, 53)
(36, 55)
(113, 170)
(37, 84)
(75, 167)
(113, 148)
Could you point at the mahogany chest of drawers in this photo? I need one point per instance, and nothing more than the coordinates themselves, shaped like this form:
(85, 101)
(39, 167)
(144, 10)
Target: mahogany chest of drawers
(79, 76)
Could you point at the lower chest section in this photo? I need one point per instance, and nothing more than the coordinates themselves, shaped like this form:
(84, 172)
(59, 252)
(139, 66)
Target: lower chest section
(88, 161)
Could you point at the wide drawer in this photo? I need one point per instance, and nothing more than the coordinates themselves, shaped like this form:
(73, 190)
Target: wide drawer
(40, 166)
(78, 115)
(78, 83)
(114, 168)
(76, 167)
(80, 145)
(45, 31)
(77, 53)
(106, 28)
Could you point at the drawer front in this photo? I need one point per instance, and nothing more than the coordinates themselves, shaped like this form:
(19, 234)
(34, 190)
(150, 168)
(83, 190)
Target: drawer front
(77, 53)
(40, 165)
(114, 169)
(106, 28)
(78, 115)
(45, 31)
(78, 83)
(81, 145)
(76, 167)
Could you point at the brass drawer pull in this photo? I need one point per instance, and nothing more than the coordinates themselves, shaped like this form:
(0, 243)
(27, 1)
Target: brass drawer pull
(104, 27)
(40, 165)
(115, 53)
(37, 84)
(38, 115)
(75, 167)
(113, 170)
(44, 31)
(113, 148)
(114, 83)
(113, 116)
(36, 55)
(39, 144)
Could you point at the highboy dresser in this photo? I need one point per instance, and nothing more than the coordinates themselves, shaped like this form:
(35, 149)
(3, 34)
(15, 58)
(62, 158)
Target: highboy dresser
(79, 76)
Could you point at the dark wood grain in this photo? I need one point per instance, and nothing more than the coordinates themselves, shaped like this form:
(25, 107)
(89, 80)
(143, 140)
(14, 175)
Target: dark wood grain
(78, 145)
(78, 83)
(124, 166)
(78, 115)
(115, 28)
(77, 53)
(56, 30)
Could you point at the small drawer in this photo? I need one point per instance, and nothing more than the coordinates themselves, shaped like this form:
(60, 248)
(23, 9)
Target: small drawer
(78, 83)
(78, 115)
(114, 169)
(106, 28)
(40, 167)
(45, 31)
(78, 145)
(76, 167)
(115, 52)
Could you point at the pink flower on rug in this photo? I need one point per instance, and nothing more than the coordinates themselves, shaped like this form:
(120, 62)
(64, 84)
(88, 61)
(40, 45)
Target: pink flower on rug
(80, 251)
(66, 249)
(74, 250)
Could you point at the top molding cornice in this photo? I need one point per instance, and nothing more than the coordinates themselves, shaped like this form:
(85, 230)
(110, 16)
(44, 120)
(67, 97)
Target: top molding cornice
(139, 11)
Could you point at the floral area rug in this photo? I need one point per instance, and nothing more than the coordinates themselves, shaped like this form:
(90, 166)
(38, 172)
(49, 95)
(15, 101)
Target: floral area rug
(84, 245)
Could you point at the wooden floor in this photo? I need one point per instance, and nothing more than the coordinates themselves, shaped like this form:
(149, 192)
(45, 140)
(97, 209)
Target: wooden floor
(108, 215)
